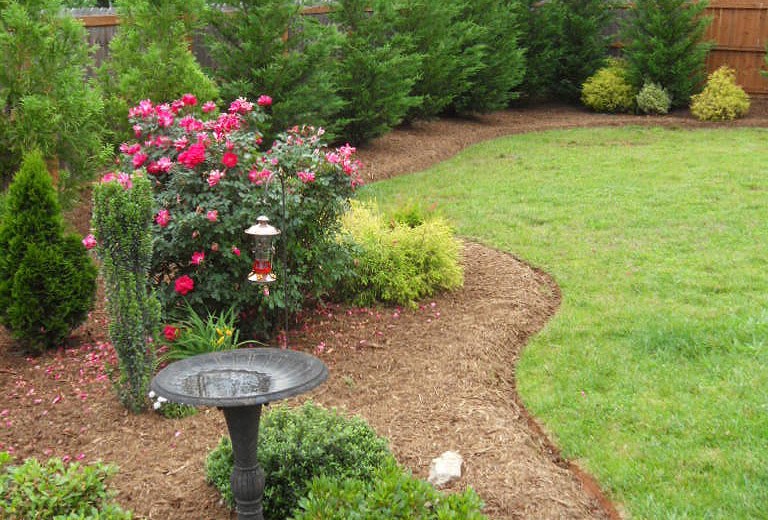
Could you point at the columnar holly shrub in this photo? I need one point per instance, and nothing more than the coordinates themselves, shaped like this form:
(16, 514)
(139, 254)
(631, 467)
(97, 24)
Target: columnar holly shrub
(45, 100)
(212, 180)
(293, 57)
(663, 44)
(122, 216)
(47, 280)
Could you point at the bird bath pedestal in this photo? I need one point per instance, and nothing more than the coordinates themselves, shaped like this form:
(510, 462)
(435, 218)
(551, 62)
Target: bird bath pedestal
(238, 382)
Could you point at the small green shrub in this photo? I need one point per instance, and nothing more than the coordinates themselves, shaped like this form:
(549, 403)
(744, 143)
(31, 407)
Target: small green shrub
(653, 99)
(296, 445)
(393, 494)
(47, 280)
(57, 490)
(722, 99)
(608, 90)
(397, 261)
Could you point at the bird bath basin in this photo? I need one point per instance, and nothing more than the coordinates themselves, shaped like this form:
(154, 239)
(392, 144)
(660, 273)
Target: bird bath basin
(239, 382)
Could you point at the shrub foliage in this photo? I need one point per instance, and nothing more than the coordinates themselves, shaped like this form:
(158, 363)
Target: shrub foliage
(296, 445)
(663, 44)
(653, 99)
(609, 90)
(722, 98)
(47, 280)
(122, 216)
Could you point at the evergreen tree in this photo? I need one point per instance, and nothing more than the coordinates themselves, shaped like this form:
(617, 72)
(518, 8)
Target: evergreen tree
(583, 43)
(150, 57)
(501, 61)
(268, 47)
(440, 36)
(542, 37)
(47, 280)
(378, 68)
(45, 100)
(663, 44)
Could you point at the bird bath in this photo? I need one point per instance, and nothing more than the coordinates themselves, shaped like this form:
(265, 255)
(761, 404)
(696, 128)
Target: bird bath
(238, 382)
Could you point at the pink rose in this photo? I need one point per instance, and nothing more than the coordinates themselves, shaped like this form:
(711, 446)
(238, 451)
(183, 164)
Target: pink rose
(214, 177)
(235, 251)
(163, 217)
(184, 285)
(108, 177)
(306, 177)
(139, 159)
(89, 241)
(229, 160)
(189, 100)
(193, 156)
(125, 180)
(209, 106)
(198, 257)
(264, 101)
(212, 215)
(171, 333)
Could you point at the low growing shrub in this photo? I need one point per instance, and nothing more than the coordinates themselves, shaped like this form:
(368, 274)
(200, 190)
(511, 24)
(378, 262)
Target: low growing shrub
(653, 99)
(297, 445)
(47, 280)
(609, 90)
(392, 493)
(400, 261)
(722, 98)
(57, 490)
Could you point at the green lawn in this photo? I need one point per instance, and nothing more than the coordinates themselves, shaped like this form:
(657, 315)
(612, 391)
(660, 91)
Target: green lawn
(654, 373)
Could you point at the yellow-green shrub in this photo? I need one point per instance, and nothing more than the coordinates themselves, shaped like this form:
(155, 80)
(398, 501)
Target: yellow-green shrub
(609, 90)
(400, 262)
(722, 99)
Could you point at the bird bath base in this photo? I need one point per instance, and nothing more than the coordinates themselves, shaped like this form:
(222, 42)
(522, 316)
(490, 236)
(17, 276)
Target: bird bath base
(239, 382)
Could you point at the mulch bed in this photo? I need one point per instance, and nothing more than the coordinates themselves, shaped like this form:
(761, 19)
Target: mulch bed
(435, 378)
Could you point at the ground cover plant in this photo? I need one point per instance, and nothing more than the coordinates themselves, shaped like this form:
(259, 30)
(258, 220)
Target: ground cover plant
(653, 373)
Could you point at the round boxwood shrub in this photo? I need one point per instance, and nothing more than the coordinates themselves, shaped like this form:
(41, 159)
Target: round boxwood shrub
(297, 445)
(722, 99)
(653, 99)
(393, 494)
(609, 90)
(47, 280)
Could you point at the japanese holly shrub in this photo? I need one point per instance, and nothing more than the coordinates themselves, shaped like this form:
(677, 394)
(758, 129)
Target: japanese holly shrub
(400, 261)
(392, 493)
(609, 90)
(291, 56)
(211, 179)
(122, 220)
(45, 100)
(722, 98)
(47, 280)
(299, 444)
(150, 58)
(377, 69)
(663, 43)
(653, 99)
(55, 489)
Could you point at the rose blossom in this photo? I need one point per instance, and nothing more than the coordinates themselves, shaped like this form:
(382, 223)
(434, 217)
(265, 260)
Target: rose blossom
(209, 106)
(264, 101)
(163, 217)
(214, 177)
(193, 156)
(198, 257)
(108, 177)
(212, 215)
(235, 251)
(130, 149)
(189, 99)
(139, 159)
(229, 160)
(171, 333)
(89, 241)
(184, 285)
(125, 180)
(306, 177)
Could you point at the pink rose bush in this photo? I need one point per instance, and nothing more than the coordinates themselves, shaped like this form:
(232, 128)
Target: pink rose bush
(212, 176)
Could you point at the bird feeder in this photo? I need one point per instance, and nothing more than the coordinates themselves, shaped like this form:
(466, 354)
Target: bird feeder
(263, 235)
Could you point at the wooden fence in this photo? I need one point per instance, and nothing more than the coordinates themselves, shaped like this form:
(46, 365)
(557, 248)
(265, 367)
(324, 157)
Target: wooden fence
(739, 29)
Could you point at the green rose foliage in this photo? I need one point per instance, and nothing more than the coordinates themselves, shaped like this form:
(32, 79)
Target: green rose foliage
(122, 216)
(722, 98)
(212, 180)
(47, 280)
(609, 90)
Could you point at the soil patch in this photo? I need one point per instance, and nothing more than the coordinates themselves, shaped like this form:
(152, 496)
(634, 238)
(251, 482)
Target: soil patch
(435, 378)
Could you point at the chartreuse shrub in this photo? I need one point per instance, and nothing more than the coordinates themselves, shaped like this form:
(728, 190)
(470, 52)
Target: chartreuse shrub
(297, 445)
(609, 90)
(45, 100)
(150, 58)
(57, 490)
(663, 44)
(393, 493)
(211, 180)
(500, 62)
(269, 47)
(47, 280)
(722, 98)
(122, 217)
(653, 99)
(400, 260)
